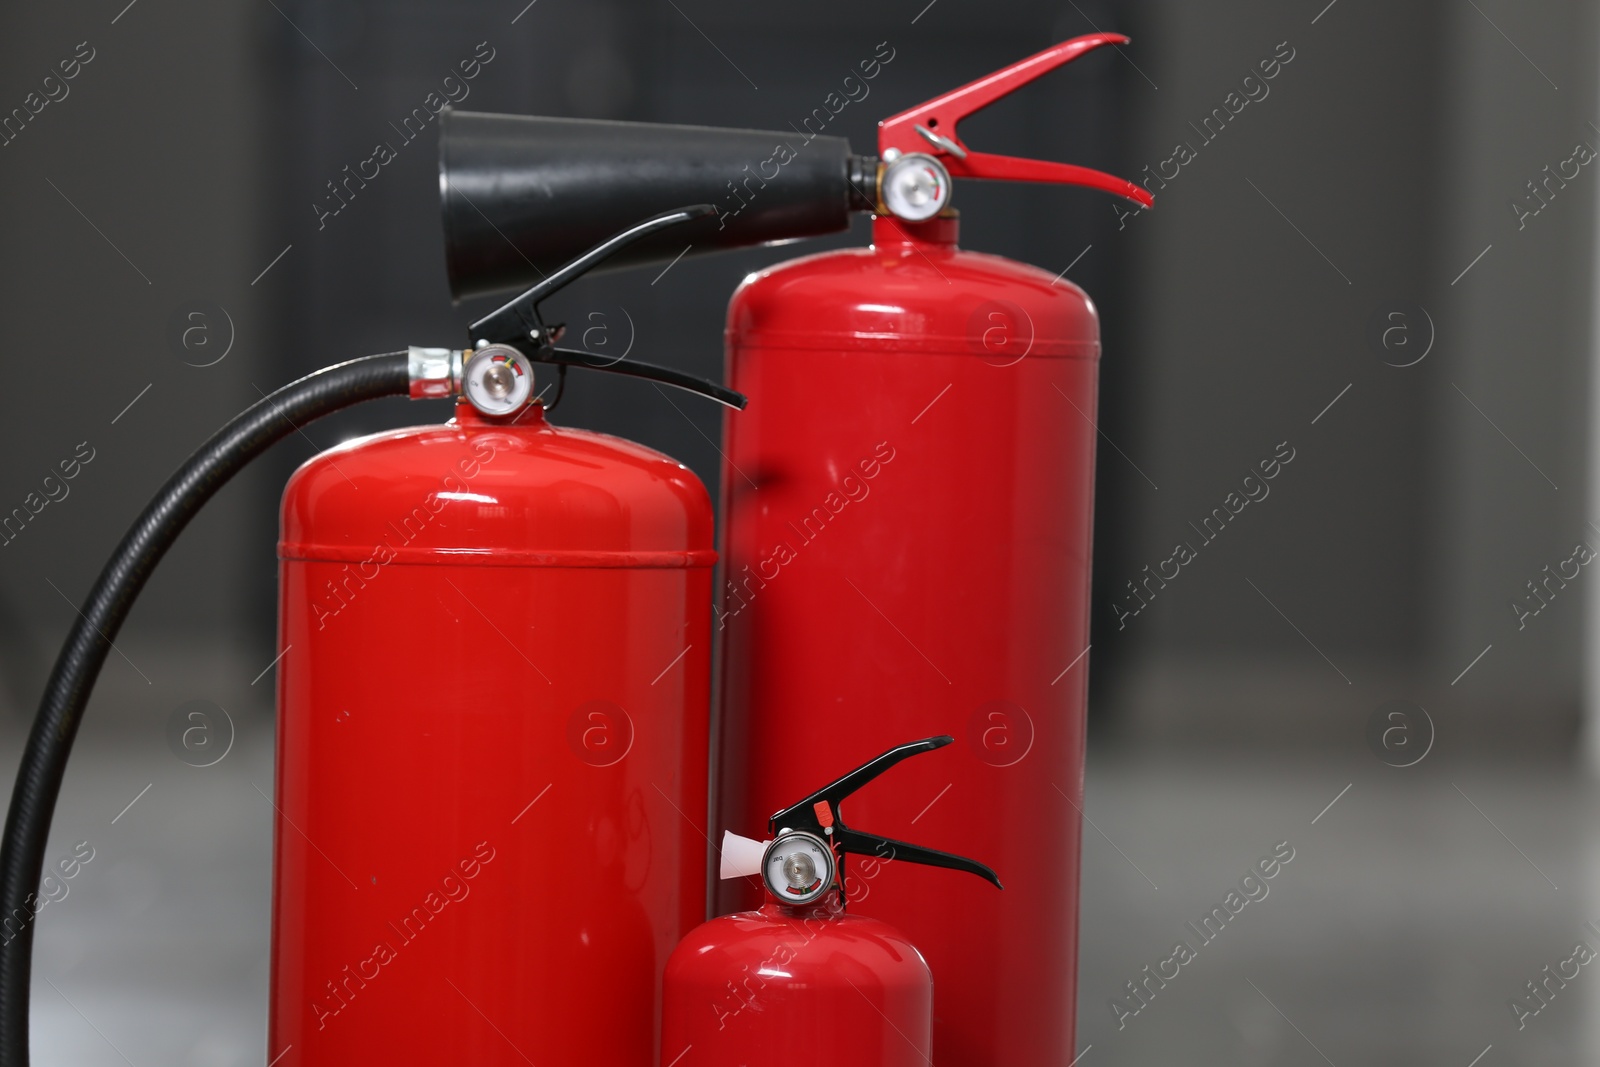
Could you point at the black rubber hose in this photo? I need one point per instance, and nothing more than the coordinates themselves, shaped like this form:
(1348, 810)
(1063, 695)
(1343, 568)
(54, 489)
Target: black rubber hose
(44, 761)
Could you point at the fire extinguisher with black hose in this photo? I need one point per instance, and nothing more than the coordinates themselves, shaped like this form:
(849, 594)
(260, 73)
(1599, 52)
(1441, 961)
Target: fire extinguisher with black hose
(483, 755)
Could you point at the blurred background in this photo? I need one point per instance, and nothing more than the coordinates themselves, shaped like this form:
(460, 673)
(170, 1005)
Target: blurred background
(1384, 264)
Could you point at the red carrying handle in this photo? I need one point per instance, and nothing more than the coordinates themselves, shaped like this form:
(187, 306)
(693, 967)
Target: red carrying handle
(931, 127)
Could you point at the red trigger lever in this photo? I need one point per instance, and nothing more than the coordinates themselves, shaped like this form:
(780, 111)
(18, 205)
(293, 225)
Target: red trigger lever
(930, 128)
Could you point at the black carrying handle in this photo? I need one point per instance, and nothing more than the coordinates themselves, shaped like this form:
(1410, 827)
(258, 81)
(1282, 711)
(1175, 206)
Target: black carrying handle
(803, 816)
(517, 322)
(571, 357)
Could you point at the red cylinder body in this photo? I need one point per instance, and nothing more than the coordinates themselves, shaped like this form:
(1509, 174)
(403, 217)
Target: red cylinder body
(782, 985)
(908, 513)
(492, 740)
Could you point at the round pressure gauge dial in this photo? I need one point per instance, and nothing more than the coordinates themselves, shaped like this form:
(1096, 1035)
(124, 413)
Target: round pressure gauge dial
(498, 380)
(798, 867)
(915, 187)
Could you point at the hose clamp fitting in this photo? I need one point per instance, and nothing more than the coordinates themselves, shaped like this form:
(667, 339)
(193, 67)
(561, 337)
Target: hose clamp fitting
(435, 372)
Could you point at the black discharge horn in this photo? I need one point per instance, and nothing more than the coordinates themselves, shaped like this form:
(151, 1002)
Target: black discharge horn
(523, 195)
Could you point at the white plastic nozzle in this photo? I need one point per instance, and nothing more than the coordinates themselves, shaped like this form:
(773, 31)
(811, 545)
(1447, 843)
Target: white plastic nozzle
(741, 857)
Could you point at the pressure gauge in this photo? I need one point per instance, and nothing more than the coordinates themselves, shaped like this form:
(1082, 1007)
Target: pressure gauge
(915, 187)
(498, 380)
(798, 867)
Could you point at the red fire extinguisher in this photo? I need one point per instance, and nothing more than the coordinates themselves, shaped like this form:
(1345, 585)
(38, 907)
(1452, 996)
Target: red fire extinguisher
(911, 556)
(800, 977)
(493, 702)
(492, 725)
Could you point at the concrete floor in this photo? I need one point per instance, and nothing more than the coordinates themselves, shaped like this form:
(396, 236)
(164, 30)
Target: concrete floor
(1396, 935)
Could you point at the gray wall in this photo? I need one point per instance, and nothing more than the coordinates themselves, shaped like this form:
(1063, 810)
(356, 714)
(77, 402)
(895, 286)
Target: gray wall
(199, 137)
(156, 145)
(1395, 542)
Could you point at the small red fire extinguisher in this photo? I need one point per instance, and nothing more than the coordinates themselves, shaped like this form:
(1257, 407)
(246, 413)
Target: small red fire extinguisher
(800, 976)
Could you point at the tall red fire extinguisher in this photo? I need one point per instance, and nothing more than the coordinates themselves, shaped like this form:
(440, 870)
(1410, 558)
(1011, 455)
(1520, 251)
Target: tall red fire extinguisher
(911, 556)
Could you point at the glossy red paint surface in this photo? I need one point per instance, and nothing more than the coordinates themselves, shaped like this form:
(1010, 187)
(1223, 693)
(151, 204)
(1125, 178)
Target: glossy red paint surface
(492, 744)
(908, 513)
(774, 987)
